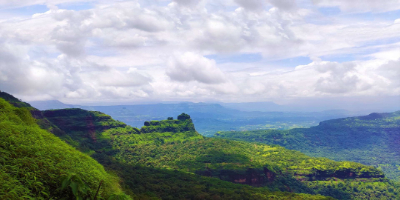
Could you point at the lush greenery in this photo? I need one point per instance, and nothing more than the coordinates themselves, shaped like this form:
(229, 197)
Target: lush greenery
(173, 146)
(35, 164)
(156, 183)
(165, 159)
(371, 140)
(182, 124)
(105, 140)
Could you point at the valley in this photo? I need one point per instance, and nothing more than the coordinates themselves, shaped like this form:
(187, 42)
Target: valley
(169, 159)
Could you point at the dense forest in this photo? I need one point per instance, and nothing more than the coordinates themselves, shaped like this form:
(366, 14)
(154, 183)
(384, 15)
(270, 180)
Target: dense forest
(371, 140)
(167, 159)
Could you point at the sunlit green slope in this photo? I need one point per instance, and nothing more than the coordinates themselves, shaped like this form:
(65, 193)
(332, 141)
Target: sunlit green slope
(174, 145)
(58, 168)
(102, 138)
(34, 163)
(371, 140)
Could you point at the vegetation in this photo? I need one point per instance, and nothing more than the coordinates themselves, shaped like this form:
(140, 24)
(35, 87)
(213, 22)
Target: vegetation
(164, 159)
(371, 140)
(172, 150)
(91, 132)
(34, 163)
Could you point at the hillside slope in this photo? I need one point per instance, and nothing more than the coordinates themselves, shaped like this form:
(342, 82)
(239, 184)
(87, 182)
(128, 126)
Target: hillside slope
(175, 145)
(371, 140)
(35, 164)
(105, 139)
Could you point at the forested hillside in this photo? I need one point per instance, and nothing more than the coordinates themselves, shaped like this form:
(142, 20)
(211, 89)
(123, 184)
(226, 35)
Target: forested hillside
(35, 164)
(371, 140)
(172, 149)
(168, 159)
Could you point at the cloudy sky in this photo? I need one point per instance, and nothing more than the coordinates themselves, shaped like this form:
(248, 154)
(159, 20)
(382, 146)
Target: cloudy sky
(83, 51)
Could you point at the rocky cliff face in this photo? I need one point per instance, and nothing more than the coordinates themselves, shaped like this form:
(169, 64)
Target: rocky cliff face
(253, 177)
(322, 175)
(264, 176)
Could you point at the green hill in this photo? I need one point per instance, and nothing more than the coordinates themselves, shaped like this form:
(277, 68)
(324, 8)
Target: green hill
(371, 140)
(14, 101)
(173, 150)
(35, 164)
(168, 159)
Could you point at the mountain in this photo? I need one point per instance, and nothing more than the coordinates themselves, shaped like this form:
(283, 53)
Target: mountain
(371, 140)
(170, 153)
(356, 105)
(51, 104)
(209, 118)
(169, 159)
(107, 141)
(35, 164)
(257, 106)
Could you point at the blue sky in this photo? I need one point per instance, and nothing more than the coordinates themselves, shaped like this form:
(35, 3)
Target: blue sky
(186, 50)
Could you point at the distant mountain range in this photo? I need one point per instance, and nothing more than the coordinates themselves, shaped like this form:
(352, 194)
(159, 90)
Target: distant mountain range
(51, 104)
(210, 118)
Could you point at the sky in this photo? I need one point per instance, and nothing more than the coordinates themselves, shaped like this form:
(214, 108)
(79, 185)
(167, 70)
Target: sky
(97, 51)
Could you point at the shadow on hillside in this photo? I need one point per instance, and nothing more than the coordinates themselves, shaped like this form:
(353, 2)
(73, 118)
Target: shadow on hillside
(150, 183)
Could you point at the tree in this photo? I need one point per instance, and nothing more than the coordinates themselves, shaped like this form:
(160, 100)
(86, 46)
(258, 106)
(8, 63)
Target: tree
(183, 117)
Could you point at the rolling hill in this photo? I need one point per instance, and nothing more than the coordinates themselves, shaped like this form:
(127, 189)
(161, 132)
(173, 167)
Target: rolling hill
(371, 140)
(174, 145)
(35, 164)
(169, 159)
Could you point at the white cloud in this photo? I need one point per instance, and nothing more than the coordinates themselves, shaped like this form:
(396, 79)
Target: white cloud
(251, 4)
(259, 5)
(284, 4)
(339, 78)
(194, 67)
(188, 3)
(23, 3)
(138, 49)
(360, 5)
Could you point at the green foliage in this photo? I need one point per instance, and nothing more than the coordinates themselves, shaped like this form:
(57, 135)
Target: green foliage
(155, 155)
(183, 117)
(75, 185)
(153, 183)
(183, 124)
(371, 140)
(33, 161)
(165, 158)
(135, 155)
